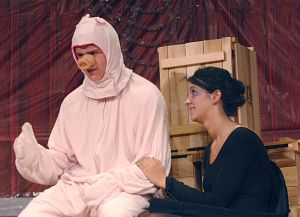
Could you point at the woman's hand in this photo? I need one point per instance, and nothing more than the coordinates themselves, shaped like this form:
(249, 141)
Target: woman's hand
(154, 171)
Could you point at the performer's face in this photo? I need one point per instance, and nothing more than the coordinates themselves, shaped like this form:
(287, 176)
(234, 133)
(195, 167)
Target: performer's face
(97, 71)
(197, 103)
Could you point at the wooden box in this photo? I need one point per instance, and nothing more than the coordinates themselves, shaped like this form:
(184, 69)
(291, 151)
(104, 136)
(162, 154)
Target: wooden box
(177, 62)
(188, 139)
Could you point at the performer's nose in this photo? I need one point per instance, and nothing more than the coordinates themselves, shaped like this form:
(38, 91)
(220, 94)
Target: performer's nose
(86, 62)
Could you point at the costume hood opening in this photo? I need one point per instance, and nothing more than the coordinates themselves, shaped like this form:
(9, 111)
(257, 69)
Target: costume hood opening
(97, 31)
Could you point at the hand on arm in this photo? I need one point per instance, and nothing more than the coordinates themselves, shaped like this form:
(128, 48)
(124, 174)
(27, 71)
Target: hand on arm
(154, 171)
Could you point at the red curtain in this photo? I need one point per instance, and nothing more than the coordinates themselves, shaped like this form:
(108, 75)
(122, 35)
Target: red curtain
(37, 69)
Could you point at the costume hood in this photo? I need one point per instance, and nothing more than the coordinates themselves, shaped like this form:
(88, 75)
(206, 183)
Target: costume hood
(97, 31)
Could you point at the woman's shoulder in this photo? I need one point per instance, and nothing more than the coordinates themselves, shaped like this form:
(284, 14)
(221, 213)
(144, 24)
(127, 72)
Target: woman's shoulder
(244, 132)
(244, 137)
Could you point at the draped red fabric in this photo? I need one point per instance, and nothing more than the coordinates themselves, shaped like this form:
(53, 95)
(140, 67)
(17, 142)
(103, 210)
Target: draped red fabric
(37, 69)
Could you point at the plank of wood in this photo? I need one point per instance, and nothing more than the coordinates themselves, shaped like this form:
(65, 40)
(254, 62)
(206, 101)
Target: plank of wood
(193, 60)
(255, 92)
(178, 94)
(182, 167)
(227, 48)
(282, 140)
(290, 176)
(193, 49)
(211, 46)
(297, 156)
(242, 74)
(164, 77)
(283, 157)
(293, 196)
(187, 130)
(295, 211)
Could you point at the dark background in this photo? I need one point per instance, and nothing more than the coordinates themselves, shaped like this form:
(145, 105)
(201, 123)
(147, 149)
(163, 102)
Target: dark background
(37, 69)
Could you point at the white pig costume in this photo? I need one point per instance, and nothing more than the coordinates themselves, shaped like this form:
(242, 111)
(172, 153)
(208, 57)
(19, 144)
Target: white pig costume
(102, 130)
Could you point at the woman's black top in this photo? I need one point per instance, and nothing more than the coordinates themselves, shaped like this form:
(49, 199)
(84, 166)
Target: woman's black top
(239, 178)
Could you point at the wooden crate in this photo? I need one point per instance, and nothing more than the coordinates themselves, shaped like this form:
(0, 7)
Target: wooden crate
(188, 139)
(177, 62)
(283, 153)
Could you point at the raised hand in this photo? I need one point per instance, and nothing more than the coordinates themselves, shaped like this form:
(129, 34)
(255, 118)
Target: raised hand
(26, 146)
(153, 169)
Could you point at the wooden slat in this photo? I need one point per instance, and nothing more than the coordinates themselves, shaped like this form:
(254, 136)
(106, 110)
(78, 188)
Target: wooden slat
(178, 85)
(180, 154)
(211, 46)
(187, 130)
(282, 156)
(255, 92)
(293, 196)
(164, 77)
(227, 48)
(295, 211)
(297, 156)
(290, 176)
(182, 167)
(242, 74)
(282, 140)
(294, 201)
(192, 49)
(192, 60)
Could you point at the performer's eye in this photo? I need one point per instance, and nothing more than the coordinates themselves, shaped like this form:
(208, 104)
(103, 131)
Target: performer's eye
(93, 52)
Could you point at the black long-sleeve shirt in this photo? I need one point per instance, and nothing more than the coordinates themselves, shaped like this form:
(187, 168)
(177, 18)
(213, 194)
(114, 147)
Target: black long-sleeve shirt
(239, 178)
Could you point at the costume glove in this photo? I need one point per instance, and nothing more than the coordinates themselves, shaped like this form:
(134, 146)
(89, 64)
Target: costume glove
(26, 146)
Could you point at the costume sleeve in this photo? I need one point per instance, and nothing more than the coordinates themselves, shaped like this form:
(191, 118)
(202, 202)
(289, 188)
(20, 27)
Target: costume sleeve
(152, 139)
(237, 157)
(49, 163)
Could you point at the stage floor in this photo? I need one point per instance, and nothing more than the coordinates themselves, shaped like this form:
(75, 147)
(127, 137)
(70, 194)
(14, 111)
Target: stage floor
(13, 206)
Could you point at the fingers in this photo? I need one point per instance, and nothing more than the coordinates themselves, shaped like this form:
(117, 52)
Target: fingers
(27, 132)
(144, 162)
(27, 129)
(21, 140)
(148, 159)
(19, 148)
(147, 163)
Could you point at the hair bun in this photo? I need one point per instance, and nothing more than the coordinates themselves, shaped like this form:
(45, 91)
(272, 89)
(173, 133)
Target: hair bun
(238, 86)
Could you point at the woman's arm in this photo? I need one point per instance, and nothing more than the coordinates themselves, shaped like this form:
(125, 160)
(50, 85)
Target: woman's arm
(237, 156)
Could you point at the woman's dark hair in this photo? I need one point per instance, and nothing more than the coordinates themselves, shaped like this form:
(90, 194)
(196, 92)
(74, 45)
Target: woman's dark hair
(213, 78)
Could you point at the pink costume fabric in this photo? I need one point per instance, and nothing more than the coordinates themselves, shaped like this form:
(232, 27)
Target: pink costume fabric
(102, 130)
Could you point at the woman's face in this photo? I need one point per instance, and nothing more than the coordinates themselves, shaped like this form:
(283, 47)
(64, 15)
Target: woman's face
(197, 103)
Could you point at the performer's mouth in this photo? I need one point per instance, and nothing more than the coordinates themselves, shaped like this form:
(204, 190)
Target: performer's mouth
(91, 71)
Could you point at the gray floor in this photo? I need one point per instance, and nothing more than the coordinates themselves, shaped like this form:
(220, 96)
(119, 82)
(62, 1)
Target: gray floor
(13, 206)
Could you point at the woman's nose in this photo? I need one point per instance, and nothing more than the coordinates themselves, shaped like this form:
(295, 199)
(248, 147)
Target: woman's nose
(86, 62)
(188, 100)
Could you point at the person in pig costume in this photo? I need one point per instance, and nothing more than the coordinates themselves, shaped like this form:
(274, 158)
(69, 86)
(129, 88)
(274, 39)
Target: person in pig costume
(104, 127)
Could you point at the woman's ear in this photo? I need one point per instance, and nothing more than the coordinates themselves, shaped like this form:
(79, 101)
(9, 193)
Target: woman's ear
(216, 96)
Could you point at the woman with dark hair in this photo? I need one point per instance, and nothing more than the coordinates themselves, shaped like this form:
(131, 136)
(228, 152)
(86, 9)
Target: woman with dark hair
(237, 167)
